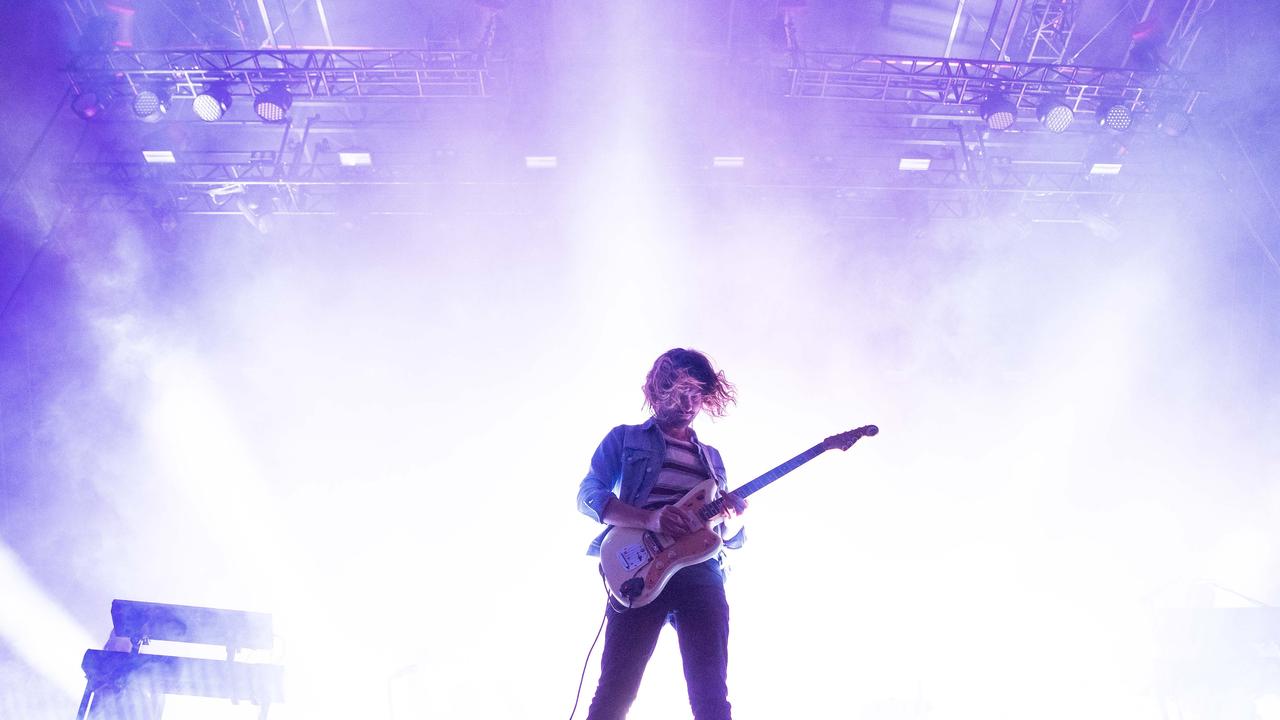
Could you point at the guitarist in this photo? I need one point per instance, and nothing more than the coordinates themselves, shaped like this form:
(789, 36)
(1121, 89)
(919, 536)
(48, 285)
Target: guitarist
(636, 475)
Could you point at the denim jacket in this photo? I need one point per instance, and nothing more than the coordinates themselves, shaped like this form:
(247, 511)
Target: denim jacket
(626, 466)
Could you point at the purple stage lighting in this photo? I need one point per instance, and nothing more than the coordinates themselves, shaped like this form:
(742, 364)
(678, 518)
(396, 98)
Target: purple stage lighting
(89, 105)
(150, 105)
(1115, 115)
(272, 104)
(998, 112)
(211, 104)
(1055, 114)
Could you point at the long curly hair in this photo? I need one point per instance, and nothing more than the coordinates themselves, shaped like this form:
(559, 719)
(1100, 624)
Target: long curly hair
(679, 371)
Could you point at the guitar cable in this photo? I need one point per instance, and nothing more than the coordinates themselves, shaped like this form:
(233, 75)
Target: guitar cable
(586, 661)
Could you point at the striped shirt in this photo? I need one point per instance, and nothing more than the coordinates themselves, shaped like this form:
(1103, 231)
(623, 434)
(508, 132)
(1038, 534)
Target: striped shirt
(682, 469)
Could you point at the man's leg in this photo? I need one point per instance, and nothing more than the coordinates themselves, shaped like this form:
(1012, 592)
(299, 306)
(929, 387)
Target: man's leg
(702, 625)
(629, 639)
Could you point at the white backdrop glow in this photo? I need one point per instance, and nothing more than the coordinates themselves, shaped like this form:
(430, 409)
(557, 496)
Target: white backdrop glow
(379, 442)
(376, 434)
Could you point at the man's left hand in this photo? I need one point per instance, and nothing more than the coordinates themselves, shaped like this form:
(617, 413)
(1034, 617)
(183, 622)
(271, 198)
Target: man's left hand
(734, 504)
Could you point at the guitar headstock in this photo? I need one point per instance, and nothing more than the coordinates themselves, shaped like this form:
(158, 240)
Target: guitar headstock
(845, 440)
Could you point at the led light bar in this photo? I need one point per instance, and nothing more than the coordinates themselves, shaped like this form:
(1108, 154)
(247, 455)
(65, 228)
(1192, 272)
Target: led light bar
(159, 157)
(355, 158)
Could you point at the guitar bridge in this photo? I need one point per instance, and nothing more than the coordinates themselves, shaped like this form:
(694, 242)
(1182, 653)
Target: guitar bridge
(634, 556)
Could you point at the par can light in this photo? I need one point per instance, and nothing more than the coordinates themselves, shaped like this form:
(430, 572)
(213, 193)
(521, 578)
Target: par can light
(212, 103)
(1054, 114)
(1115, 115)
(998, 112)
(272, 104)
(150, 105)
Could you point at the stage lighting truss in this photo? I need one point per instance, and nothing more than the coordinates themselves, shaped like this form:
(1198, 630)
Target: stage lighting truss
(408, 184)
(382, 74)
(956, 88)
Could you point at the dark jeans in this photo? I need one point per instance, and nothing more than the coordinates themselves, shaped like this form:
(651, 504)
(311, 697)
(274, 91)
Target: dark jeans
(695, 604)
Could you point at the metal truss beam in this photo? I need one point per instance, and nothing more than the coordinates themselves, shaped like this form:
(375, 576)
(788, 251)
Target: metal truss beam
(1050, 24)
(318, 189)
(317, 73)
(956, 87)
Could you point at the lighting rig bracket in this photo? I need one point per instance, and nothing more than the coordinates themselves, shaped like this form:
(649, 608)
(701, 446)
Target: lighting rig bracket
(906, 103)
(956, 87)
(336, 73)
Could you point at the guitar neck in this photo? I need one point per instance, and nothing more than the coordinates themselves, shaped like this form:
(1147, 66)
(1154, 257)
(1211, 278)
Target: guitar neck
(712, 509)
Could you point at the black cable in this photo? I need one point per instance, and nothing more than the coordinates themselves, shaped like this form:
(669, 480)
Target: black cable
(583, 678)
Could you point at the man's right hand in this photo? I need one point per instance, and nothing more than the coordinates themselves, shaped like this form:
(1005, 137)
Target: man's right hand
(673, 520)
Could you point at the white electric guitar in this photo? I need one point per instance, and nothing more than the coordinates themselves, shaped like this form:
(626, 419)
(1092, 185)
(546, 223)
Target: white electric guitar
(637, 563)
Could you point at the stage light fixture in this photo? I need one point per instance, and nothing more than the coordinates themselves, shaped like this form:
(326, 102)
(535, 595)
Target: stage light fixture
(914, 164)
(1112, 168)
(1115, 115)
(355, 158)
(541, 162)
(998, 112)
(212, 103)
(159, 157)
(89, 105)
(272, 103)
(1055, 114)
(151, 104)
(728, 161)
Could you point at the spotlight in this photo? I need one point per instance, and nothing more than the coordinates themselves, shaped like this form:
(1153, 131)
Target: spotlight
(273, 103)
(1055, 114)
(212, 103)
(998, 112)
(89, 104)
(1114, 115)
(728, 161)
(541, 162)
(151, 105)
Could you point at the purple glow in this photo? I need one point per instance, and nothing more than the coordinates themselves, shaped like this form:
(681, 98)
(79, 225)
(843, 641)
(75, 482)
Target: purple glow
(370, 422)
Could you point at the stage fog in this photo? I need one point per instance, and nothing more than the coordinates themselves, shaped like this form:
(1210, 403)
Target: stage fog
(373, 428)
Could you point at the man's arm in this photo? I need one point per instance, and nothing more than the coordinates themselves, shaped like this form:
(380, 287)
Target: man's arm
(597, 499)
(597, 489)
(668, 520)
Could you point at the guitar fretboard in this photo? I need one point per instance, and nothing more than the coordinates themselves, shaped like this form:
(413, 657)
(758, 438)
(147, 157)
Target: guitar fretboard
(714, 508)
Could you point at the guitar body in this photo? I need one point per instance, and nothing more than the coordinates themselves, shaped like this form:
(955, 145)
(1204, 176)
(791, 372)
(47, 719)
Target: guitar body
(637, 563)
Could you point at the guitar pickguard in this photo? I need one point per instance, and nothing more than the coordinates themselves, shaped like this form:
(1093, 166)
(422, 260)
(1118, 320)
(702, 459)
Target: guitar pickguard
(637, 555)
(633, 556)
